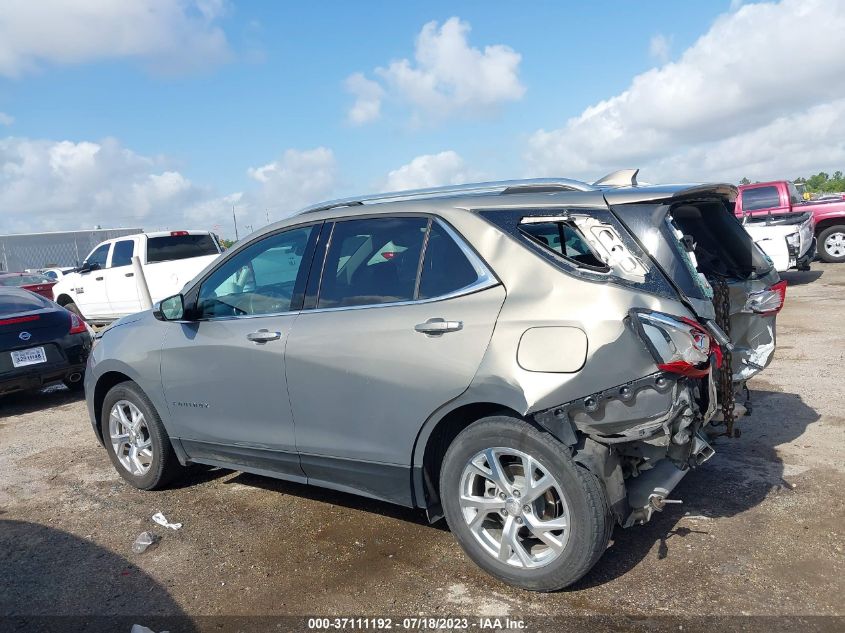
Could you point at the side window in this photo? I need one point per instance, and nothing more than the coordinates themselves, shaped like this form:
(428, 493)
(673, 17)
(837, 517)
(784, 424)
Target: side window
(122, 253)
(760, 198)
(264, 278)
(565, 240)
(445, 268)
(372, 261)
(97, 259)
(794, 196)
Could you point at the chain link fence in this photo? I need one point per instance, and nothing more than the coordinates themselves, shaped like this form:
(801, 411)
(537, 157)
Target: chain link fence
(52, 250)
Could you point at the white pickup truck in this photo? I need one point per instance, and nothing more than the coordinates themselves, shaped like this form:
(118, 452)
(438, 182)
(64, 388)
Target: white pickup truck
(104, 288)
(787, 238)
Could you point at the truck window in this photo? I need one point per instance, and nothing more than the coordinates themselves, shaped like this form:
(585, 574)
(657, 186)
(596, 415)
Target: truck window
(122, 253)
(169, 247)
(760, 198)
(97, 259)
(794, 196)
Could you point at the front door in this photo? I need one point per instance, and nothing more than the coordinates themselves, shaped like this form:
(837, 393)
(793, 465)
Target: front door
(385, 347)
(90, 290)
(224, 373)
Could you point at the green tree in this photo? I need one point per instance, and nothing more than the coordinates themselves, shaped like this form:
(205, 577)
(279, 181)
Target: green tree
(745, 181)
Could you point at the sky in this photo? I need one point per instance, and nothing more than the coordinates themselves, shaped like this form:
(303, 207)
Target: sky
(166, 114)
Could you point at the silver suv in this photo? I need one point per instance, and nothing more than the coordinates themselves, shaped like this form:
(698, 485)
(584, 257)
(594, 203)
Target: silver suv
(535, 360)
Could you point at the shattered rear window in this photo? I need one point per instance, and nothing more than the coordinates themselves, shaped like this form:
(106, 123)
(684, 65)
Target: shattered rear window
(565, 240)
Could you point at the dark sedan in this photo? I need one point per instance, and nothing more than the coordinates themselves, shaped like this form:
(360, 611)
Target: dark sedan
(40, 343)
(35, 282)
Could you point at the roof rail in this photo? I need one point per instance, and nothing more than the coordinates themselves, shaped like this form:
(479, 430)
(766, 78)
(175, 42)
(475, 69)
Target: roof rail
(619, 178)
(529, 185)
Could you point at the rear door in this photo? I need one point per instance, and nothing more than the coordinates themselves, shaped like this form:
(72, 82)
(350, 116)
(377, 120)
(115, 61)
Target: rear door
(403, 318)
(121, 286)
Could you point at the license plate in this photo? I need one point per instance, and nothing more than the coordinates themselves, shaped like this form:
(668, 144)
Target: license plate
(33, 356)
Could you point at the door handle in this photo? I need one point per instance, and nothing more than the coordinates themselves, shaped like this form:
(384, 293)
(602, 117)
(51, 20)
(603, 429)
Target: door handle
(128, 274)
(98, 278)
(438, 326)
(263, 336)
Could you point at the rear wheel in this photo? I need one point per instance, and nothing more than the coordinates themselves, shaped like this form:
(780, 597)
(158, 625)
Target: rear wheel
(72, 307)
(832, 244)
(520, 507)
(135, 438)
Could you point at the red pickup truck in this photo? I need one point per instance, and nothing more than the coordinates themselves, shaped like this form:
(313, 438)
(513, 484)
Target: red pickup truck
(780, 197)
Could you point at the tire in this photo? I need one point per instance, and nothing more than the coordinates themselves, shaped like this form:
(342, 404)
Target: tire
(577, 496)
(154, 469)
(834, 251)
(72, 307)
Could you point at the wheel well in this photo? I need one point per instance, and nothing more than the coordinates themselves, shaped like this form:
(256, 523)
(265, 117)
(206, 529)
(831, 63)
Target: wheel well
(63, 300)
(104, 384)
(825, 224)
(442, 437)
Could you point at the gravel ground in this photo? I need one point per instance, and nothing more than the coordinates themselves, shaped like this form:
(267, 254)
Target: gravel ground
(760, 531)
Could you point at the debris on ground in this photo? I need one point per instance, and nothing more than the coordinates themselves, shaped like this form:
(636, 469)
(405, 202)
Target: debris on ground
(159, 518)
(144, 541)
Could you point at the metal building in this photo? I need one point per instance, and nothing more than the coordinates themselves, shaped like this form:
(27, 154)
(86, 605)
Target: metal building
(46, 250)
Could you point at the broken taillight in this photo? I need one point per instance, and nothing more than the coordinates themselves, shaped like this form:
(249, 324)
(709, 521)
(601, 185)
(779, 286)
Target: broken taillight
(767, 302)
(679, 345)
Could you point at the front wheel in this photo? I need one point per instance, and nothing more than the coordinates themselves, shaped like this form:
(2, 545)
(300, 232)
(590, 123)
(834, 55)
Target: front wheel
(520, 507)
(832, 244)
(135, 438)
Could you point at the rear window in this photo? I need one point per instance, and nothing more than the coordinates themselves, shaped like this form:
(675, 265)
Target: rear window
(760, 198)
(25, 280)
(169, 247)
(17, 302)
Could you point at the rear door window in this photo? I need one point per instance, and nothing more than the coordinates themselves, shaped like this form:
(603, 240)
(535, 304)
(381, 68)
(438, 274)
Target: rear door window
(445, 267)
(372, 261)
(167, 248)
(760, 198)
(122, 253)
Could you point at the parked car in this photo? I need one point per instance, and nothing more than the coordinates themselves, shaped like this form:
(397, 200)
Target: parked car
(787, 239)
(40, 343)
(56, 273)
(104, 288)
(781, 198)
(536, 360)
(34, 282)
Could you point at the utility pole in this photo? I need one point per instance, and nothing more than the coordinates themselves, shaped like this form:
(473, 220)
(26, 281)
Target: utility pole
(267, 214)
(235, 219)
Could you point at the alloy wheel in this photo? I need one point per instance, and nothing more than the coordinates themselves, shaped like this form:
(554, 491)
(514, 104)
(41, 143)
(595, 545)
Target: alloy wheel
(514, 507)
(834, 244)
(130, 438)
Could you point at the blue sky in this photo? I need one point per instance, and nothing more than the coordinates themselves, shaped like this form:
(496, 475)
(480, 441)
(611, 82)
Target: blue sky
(221, 102)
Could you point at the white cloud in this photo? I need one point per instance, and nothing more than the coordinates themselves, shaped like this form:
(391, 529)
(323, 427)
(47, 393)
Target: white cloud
(170, 36)
(6, 119)
(368, 95)
(61, 185)
(430, 170)
(660, 48)
(447, 77)
(724, 108)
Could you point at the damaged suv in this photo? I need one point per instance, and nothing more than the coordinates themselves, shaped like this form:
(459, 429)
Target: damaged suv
(535, 360)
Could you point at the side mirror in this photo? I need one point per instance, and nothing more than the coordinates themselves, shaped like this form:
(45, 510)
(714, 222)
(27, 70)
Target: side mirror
(170, 309)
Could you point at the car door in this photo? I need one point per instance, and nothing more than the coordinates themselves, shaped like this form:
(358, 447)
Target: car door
(403, 318)
(90, 290)
(121, 287)
(223, 372)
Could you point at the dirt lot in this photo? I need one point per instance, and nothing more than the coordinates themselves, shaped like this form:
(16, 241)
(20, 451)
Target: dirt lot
(760, 532)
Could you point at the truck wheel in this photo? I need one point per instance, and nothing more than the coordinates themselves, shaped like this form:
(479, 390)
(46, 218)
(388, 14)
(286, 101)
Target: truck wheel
(135, 438)
(832, 244)
(71, 307)
(520, 507)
